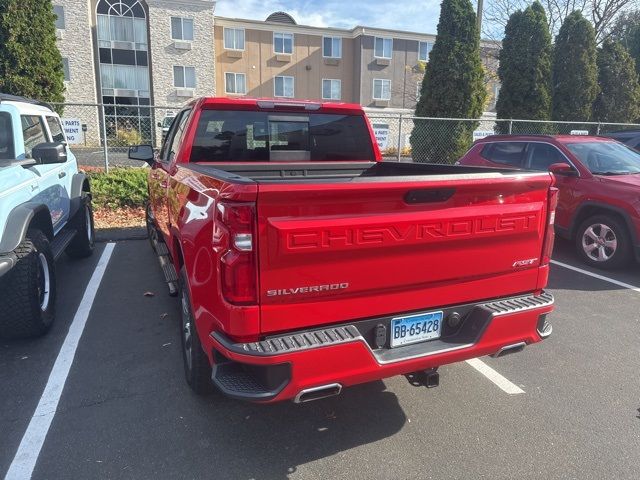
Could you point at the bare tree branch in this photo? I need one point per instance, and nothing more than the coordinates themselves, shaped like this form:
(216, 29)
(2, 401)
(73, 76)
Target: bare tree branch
(601, 13)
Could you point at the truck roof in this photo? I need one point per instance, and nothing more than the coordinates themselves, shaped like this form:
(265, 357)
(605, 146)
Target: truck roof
(248, 103)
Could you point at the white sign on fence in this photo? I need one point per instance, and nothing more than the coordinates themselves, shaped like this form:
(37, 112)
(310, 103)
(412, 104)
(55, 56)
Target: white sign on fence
(579, 132)
(478, 134)
(73, 130)
(381, 131)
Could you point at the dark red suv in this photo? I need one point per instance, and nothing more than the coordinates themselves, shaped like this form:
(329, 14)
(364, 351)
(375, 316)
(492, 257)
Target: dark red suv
(599, 198)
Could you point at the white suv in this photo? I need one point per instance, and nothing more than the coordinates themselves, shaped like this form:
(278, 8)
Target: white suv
(45, 209)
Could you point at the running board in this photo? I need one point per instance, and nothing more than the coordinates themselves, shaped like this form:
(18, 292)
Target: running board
(62, 241)
(169, 271)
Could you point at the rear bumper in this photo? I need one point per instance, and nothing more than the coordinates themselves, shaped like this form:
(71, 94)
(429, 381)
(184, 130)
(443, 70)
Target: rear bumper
(280, 367)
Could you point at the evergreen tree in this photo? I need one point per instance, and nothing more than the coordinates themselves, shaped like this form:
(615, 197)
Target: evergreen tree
(627, 31)
(30, 62)
(619, 97)
(452, 87)
(525, 66)
(575, 73)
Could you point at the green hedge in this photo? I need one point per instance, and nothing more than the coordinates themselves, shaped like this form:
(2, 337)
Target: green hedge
(121, 187)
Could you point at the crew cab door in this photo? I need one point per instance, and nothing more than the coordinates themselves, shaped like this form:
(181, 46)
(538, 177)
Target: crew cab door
(51, 177)
(161, 171)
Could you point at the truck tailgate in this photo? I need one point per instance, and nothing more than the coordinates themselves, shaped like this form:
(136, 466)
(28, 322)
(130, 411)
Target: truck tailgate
(333, 252)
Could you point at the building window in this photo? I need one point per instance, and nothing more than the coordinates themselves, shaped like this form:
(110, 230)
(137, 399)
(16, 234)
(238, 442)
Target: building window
(182, 29)
(383, 47)
(283, 86)
(65, 68)
(122, 21)
(381, 89)
(332, 47)
(331, 89)
(184, 77)
(424, 50)
(283, 43)
(235, 83)
(58, 10)
(234, 38)
(128, 77)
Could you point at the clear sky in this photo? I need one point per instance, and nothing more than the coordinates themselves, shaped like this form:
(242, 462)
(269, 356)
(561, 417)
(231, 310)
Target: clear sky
(410, 15)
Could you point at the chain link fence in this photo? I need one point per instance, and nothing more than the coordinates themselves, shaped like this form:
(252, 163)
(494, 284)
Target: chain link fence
(100, 134)
(406, 138)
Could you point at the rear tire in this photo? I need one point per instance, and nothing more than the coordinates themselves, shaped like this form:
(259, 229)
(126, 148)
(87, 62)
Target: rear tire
(28, 291)
(197, 368)
(604, 242)
(83, 243)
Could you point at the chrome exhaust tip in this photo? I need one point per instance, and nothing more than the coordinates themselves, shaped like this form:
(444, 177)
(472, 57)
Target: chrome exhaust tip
(507, 349)
(317, 393)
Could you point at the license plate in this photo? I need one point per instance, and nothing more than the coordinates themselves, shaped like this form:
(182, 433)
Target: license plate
(416, 328)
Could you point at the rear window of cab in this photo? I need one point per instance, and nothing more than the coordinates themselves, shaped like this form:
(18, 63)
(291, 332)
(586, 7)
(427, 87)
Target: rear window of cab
(248, 136)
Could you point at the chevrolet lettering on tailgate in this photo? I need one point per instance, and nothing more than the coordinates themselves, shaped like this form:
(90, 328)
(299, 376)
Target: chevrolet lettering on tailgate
(339, 238)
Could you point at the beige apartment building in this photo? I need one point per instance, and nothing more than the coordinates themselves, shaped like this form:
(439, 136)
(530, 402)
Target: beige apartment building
(377, 68)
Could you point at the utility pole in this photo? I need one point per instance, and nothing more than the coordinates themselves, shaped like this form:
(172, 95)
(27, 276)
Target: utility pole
(479, 17)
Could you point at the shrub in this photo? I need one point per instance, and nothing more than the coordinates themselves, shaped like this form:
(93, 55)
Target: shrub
(128, 136)
(121, 187)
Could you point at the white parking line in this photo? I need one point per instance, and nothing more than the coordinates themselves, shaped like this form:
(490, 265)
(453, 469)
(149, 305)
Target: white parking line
(599, 277)
(495, 377)
(24, 462)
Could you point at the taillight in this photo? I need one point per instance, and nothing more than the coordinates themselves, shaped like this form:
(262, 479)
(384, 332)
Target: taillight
(547, 249)
(234, 240)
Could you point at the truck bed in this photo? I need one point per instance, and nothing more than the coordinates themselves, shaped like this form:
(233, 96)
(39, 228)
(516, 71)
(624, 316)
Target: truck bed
(337, 171)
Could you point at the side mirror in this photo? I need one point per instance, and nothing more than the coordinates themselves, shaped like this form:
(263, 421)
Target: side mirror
(143, 153)
(50, 152)
(562, 169)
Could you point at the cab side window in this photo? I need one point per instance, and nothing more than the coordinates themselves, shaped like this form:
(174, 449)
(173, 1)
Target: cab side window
(57, 134)
(171, 144)
(543, 155)
(33, 132)
(505, 153)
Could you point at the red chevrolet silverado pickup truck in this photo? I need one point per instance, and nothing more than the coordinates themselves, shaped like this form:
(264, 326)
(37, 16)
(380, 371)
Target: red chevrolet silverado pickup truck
(305, 264)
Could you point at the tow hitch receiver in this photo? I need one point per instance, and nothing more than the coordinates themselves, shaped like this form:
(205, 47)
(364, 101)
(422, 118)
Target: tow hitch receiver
(424, 378)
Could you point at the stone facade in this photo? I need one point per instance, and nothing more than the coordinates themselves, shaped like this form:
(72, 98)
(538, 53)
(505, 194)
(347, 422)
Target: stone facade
(74, 42)
(198, 53)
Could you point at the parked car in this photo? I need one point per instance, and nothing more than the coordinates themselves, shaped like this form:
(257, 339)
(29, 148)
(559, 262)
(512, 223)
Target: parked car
(598, 200)
(45, 209)
(305, 264)
(628, 137)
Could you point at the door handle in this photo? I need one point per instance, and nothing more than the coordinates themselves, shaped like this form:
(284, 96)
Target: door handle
(62, 174)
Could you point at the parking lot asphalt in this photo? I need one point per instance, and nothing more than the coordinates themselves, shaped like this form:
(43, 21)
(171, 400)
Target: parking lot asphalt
(126, 411)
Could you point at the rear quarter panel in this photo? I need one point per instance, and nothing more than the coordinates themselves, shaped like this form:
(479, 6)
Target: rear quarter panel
(192, 199)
